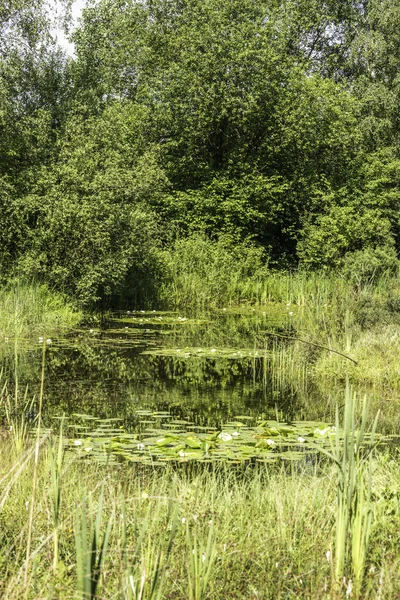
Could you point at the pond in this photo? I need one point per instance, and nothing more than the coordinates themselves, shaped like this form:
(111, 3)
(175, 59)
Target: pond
(163, 385)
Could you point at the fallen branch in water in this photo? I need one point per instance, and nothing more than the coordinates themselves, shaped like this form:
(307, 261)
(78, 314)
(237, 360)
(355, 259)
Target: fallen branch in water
(296, 339)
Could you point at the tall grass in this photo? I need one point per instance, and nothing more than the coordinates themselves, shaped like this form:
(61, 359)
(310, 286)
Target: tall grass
(218, 532)
(352, 456)
(30, 309)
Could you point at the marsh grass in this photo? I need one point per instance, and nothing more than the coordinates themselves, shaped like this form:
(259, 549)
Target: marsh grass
(28, 310)
(351, 453)
(194, 532)
(91, 544)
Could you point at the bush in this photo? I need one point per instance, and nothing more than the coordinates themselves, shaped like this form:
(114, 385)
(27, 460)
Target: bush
(201, 271)
(364, 266)
(344, 230)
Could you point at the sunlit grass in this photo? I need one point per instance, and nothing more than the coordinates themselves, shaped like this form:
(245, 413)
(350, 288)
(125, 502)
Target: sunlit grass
(220, 532)
(29, 310)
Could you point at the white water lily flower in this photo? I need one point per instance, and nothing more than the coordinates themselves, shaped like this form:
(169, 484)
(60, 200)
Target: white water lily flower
(77, 442)
(300, 439)
(270, 442)
(140, 446)
(225, 436)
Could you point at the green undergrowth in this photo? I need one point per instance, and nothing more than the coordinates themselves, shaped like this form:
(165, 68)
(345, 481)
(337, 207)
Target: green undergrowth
(29, 310)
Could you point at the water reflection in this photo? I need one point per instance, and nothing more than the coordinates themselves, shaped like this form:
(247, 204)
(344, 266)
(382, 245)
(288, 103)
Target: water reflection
(206, 369)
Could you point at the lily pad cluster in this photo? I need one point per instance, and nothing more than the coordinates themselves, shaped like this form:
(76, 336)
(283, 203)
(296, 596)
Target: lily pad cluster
(186, 352)
(161, 439)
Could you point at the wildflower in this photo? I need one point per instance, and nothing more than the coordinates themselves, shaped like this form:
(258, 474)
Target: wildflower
(6, 339)
(182, 454)
(10, 427)
(291, 313)
(88, 449)
(300, 439)
(213, 350)
(77, 442)
(203, 558)
(48, 341)
(145, 495)
(270, 442)
(183, 520)
(195, 517)
(91, 330)
(235, 433)
(40, 340)
(140, 446)
(349, 590)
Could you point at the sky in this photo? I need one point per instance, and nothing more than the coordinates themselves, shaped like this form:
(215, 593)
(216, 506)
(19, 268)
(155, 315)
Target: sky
(59, 34)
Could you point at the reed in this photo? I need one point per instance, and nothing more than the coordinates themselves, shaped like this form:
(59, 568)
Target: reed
(351, 453)
(201, 558)
(56, 458)
(91, 545)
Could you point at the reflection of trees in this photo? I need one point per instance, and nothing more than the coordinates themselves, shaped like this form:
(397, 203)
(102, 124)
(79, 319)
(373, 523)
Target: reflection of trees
(86, 375)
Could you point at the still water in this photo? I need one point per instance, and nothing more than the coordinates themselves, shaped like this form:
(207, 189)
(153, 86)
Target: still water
(207, 368)
(154, 386)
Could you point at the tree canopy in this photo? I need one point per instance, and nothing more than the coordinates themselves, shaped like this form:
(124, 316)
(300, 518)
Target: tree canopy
(273, 124)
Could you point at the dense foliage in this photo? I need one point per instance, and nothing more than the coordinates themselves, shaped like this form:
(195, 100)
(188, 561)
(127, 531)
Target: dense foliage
(267, 128)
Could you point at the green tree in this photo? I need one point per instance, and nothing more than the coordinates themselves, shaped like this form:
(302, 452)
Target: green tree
(93, 234)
